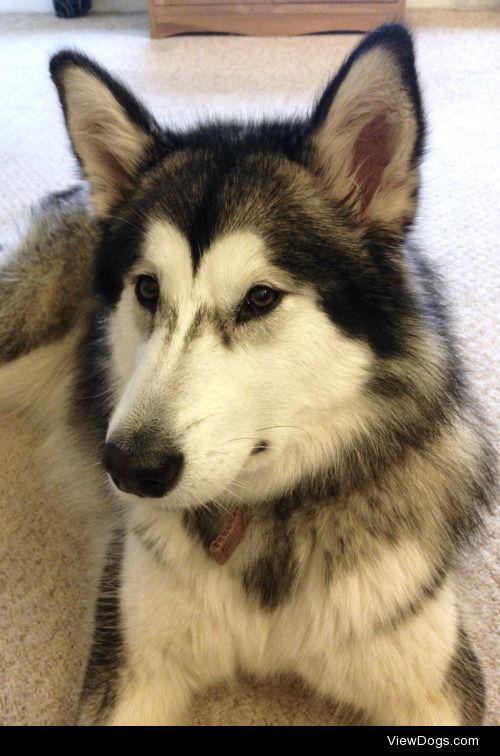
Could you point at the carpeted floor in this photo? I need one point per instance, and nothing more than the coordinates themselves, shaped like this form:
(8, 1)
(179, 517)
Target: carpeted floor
(44, 594)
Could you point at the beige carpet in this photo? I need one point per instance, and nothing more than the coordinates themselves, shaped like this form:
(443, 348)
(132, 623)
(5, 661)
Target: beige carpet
(44, 590)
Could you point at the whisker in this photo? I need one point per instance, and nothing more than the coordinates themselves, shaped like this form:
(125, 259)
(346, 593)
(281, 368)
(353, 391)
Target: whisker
(198, 422)
(294, 427)
(233, 493)
(224, 507)
(241, 438)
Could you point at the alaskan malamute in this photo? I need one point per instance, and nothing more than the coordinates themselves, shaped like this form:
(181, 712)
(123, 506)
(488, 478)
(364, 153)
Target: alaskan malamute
(263, 364)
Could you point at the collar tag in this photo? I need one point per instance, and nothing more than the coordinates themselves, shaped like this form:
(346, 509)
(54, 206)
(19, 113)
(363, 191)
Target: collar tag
(229, 538)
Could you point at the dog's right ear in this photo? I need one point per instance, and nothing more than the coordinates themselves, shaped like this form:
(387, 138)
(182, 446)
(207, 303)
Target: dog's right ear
(113, 135)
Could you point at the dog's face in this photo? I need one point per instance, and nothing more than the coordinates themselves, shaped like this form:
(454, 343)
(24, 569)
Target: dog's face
(247, 275)
(224, 355)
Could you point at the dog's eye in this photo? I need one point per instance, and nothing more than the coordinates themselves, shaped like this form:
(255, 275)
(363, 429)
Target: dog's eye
(147, 291)
(259, 300)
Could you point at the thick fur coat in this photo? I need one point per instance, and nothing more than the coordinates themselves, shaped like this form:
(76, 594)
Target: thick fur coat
(242, 332)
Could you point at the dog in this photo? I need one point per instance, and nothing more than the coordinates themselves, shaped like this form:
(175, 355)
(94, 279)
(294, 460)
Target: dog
(237, 325)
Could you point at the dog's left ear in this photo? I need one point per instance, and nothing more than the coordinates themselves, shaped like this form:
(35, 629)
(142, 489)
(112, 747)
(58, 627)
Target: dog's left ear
(366, 132)
(112, 134)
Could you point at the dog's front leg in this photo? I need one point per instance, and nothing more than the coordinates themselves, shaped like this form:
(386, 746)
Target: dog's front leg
(420, 672)
(155, 693)
(155, 645)
(151, 698)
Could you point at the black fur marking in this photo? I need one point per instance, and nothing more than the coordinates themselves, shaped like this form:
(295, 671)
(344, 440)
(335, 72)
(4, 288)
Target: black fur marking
(433, 309)
(206, 217)
(269, 579)
(284, 507)
(151, 544)
(195, 326)
(404, 613)
(169, 314)
(119, 249)
(204, 523)
(203, 317)
(388, 386)
(328, 566)
(367, 301)
(107, 655)
(478, 491)
(466, 682)
(92, 393)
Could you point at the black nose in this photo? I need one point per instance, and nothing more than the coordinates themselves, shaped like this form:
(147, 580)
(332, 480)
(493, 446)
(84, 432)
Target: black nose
(151, 475)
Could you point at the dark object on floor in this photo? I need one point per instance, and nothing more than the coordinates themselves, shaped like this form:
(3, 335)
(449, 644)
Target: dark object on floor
(71, 8)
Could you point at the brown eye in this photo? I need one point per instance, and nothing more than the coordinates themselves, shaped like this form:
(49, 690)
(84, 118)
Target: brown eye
(259, 300)
(147, 291)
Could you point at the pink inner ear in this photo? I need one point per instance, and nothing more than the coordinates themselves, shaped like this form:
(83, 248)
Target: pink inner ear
(370, 156)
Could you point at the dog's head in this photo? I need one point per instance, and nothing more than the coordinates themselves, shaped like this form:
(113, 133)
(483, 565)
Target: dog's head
(252, 273)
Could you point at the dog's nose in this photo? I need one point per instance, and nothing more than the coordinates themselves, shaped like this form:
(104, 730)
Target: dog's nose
(129, 472)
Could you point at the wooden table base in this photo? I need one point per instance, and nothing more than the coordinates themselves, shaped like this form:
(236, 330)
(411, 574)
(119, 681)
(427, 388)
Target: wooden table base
(272, 18)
